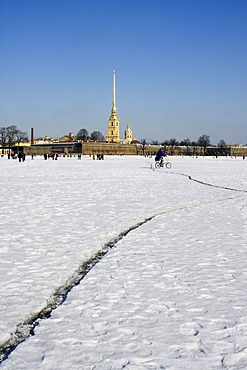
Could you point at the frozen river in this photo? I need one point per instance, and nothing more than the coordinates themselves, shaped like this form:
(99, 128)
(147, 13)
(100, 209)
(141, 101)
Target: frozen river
(113, 264)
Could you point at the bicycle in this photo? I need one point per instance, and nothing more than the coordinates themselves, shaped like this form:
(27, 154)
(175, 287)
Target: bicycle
(163, 163)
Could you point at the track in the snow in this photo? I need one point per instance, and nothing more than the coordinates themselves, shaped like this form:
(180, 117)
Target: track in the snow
(208, 184)
(26, 328)
(198, 181)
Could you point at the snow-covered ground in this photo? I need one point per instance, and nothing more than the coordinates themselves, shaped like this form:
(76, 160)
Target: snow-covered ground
(170, 293)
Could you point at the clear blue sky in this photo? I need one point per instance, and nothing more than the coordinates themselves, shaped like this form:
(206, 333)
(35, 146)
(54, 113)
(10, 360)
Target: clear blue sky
(181, 67)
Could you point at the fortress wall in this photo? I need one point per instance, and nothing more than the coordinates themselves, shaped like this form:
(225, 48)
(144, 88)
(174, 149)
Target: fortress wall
(94, 148)
(90, 148)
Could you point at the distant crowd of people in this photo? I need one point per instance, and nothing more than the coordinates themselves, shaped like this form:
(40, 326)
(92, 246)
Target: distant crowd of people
(99, 156)
(21, 156)
(53, 156)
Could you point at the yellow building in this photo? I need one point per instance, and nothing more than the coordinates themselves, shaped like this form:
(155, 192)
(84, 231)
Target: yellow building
(69, 137)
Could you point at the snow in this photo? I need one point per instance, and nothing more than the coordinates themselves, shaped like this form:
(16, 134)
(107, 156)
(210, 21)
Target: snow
(165, 259)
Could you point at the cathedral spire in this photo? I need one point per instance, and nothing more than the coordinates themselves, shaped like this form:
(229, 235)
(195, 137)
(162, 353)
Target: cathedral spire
(114, 108)
(113, 122)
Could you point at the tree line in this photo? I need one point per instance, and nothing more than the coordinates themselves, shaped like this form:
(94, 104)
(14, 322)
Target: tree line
(11, 135)
(84, 135)
(203, 141)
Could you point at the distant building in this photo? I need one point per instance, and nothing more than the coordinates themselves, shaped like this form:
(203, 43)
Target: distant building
(113, 133)
(128, 136)
(70, 137)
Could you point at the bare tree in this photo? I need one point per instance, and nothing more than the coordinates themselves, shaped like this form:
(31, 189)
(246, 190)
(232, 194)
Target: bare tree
(221, 143)
(11, 135)
(12, 132)
(173, 142)
(97, 136)
(83, 134)
(203, 141)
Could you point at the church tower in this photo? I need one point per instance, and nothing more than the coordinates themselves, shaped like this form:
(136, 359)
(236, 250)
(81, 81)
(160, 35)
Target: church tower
(128, 134)
(113, 122)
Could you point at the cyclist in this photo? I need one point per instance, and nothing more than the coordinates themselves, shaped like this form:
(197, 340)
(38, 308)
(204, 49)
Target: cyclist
(159, 155)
